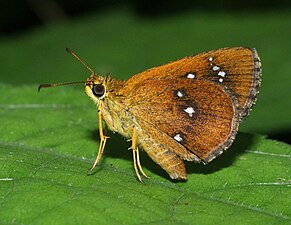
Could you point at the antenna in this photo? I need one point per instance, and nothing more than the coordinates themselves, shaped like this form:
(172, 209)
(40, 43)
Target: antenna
(59, 84)
(67, 83)
(77, 57)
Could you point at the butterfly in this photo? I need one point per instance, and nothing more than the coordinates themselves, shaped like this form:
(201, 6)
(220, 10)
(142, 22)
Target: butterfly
(185, 110)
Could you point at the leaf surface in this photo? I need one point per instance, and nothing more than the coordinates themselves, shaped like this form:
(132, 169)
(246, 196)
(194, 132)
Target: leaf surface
(49, 140)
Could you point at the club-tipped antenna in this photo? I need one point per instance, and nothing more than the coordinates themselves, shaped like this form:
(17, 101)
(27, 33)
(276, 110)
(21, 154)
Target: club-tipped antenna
(67, 83)
(77, 57)
(59, 84)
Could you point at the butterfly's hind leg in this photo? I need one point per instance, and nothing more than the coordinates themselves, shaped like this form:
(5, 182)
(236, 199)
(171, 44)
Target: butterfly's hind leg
(103, 139)
(135, 153)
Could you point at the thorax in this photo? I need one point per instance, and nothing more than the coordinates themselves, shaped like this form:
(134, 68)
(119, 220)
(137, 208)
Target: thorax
(117, 116)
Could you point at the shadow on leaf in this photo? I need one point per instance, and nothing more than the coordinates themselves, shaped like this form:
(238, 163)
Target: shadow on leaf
(116, 147)
(242, 142)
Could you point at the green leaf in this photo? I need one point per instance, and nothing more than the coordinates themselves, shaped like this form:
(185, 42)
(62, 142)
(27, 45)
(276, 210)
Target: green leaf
(49, 140)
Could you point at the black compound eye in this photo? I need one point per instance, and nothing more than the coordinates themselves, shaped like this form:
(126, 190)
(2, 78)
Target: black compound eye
(98, 90)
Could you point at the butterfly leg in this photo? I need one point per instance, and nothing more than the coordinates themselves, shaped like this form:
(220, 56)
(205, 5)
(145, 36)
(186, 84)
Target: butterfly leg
(103, 139)
(136, 160)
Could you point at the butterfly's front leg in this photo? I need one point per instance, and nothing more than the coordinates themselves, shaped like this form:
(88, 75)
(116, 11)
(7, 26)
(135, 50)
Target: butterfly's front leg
(135, 153)
(103, 139)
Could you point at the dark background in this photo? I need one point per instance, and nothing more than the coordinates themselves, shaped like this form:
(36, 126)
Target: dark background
(20, 15)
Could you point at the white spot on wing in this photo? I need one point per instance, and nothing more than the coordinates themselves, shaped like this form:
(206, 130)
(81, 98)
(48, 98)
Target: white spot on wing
(178, 138)
(180, 94)
(215, 68)
(190, 111)
(191, 75)
(220, 80)
(210, 59)
(221, 73)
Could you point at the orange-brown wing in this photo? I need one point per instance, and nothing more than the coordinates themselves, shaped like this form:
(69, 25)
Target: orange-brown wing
(200, 115)
(237, 70)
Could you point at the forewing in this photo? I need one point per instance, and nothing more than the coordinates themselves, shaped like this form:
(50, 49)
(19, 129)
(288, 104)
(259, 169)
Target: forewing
(238, 70)
(200, 115)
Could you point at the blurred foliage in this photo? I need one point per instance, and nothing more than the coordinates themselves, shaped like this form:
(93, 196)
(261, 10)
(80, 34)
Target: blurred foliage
(20, 15)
